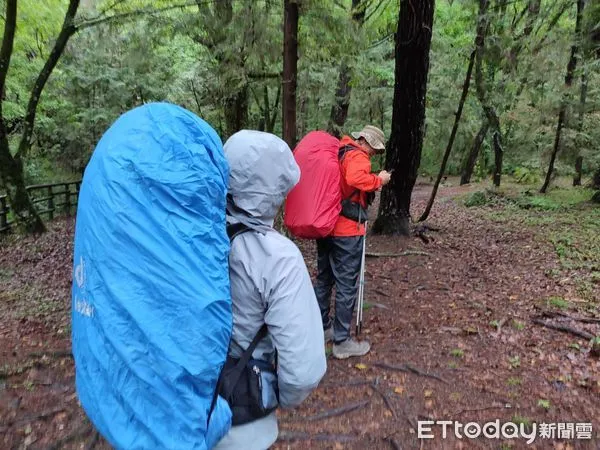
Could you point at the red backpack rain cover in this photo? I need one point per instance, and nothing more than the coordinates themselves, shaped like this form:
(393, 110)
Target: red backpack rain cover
(313, 206)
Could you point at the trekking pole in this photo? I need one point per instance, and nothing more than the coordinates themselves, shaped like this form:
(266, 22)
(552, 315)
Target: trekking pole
(361, 286)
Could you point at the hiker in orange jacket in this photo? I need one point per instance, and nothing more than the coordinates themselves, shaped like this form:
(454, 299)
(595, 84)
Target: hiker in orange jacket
(340, 254)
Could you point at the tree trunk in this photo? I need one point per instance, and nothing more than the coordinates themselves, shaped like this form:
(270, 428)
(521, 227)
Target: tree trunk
(582, 100)
(68, 29)
(413, 41)
(290, 70)
(303, 112)
(469, 164)
(11, 167)
(578, 168)
(271, 124)
(11, 175)
(461, 104)
(596, 179)
(483, 90)
(8, 39)
(596, 185)
(563, 107)
(339, 110)
(498, 157)
(236, 111)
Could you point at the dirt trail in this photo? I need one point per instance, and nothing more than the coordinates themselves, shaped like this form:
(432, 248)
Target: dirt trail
(451, 333)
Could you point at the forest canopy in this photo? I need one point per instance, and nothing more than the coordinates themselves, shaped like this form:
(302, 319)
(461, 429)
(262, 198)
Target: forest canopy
(223, 61)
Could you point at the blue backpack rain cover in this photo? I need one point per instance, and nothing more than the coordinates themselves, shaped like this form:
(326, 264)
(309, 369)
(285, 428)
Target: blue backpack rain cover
(151, 303)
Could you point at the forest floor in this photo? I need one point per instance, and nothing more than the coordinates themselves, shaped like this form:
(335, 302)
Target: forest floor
(456, 327)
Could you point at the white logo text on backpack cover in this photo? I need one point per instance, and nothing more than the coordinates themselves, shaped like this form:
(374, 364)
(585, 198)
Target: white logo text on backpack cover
(79, 273)
(82, 306)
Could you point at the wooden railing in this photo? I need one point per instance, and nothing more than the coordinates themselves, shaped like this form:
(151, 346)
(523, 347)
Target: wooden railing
(50, 200)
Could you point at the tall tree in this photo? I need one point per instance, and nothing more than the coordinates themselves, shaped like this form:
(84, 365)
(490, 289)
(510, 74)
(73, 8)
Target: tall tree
(11, 166)
(290, 70)
(571, 66)
(580, 121)
(479, 39)
(339, 110)
(413, 42)
(510, 65)
(483, 91)
(461, 104)
(490, 59)
(216, 21)
(471, 159)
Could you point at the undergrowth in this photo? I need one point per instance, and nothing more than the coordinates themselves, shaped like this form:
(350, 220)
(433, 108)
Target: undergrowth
(565, 218)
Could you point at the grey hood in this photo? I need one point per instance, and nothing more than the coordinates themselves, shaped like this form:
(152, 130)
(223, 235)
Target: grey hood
(262, 171)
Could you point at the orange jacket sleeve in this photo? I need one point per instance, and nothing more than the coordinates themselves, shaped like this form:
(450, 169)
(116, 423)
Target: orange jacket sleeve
(358, 172)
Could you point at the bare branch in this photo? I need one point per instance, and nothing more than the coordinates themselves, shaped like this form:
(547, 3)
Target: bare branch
(376, 9)
(517, 18)
(551, 25)
(198, 106)
(112, 6)
(564, 328)
(132, 14)
(263, 76)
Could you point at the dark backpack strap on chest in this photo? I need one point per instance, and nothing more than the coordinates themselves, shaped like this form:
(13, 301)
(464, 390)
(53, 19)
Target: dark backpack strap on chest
(235, 229)
(345, 149)
(341, 154)
(246, 356)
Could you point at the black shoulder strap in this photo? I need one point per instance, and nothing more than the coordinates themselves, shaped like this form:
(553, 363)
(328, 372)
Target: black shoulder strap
(345, 149)
(235, 229)
(245, 357)
(235, 375)
(341, 153)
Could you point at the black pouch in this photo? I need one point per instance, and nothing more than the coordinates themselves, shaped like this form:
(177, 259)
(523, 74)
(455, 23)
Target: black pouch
(353, 211)
(249, 385)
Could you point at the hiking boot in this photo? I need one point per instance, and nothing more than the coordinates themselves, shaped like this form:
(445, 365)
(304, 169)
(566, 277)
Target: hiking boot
(350, 348)
(328, 334)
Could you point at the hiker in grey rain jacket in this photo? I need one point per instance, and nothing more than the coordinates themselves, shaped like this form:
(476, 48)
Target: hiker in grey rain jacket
(269, 280)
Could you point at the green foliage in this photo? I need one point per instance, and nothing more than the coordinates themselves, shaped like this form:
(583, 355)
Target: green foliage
(479, 198)
(514, 361)
(457, 353)
(514, 381)
(525, 175)
(199, 57)
(565, 217)
(518, 325)
(555, 200)
(542, 403)
(38, 24)
(488, 197)
(558, 302)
